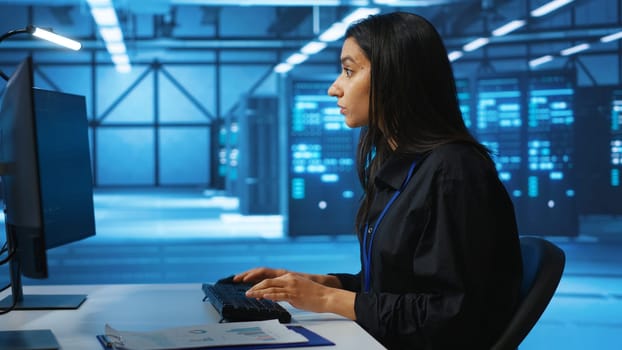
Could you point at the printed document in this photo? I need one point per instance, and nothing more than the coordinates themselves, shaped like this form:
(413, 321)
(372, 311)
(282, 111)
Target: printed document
(219, 334)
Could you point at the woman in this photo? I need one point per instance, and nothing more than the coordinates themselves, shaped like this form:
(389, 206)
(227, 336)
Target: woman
(440, 254)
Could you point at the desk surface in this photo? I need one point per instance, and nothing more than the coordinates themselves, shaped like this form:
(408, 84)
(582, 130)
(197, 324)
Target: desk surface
(152, 307)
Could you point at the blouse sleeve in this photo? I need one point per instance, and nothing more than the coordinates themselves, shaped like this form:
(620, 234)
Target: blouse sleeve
(349, 281)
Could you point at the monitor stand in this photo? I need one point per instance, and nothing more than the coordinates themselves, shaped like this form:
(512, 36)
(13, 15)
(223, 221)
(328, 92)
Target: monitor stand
(42, 339)
(44, 302)
(18, 301)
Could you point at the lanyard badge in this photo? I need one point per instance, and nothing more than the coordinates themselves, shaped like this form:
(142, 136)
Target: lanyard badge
(371, 232)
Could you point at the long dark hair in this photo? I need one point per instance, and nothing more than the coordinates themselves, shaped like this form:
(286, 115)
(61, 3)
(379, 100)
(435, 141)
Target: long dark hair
(413, 100)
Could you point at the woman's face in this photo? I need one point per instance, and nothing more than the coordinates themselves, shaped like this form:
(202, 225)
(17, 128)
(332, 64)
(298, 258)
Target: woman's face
(352, 86)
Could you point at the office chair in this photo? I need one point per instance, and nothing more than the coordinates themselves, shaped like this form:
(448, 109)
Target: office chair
(543, 264)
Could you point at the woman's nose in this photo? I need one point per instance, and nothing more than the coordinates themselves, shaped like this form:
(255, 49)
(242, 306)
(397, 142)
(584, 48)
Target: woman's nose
(334, 90)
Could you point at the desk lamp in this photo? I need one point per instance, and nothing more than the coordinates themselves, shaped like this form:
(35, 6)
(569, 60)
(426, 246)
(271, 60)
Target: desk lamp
(43, 34)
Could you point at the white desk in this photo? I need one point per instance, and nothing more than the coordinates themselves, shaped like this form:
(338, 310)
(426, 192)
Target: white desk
(152, 307)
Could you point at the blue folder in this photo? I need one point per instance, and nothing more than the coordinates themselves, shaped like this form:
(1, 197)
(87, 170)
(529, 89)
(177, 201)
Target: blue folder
(313, 339)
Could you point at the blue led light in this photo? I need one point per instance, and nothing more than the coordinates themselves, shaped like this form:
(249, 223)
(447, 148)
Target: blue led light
(347, 194)
(505, 176)
(615, 115)
(298, 188)
(328, 178)
(332, 126)
(306, 105)
(532, 186)
(552, 92)
(615, 177)
(491, 95)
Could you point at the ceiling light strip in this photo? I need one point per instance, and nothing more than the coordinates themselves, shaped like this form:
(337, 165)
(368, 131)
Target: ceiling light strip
(509, 27)
(611, 37)
(540, 60)
(105, 17)
(475, 44)
(517, 24)
(454, 55)
(574, 49)
(549, 7)
(335, 32)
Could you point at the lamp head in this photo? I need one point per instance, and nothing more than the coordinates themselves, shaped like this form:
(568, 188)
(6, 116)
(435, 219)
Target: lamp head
(53, 37)
(43, 34)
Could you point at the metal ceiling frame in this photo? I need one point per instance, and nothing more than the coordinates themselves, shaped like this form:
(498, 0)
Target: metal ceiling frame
(279, 43)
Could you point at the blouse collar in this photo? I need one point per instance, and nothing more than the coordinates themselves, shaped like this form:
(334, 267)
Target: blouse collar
(394, 170)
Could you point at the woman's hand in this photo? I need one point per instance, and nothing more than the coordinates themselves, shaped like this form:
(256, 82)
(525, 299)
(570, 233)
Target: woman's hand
(258, 274)
(303, 293)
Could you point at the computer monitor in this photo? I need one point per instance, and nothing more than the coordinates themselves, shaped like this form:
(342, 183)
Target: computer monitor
(47, 185)
(46, 180)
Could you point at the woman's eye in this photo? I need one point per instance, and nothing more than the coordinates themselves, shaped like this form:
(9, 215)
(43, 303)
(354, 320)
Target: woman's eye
(348, 72)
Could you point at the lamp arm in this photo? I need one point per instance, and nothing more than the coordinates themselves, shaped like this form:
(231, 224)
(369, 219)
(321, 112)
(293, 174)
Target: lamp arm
(28, 29)
(10, 33)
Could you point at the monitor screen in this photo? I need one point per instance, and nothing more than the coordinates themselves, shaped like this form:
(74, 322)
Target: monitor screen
(46, 175)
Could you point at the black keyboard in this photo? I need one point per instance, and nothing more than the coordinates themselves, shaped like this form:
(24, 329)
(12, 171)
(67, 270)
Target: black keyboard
(233, 305)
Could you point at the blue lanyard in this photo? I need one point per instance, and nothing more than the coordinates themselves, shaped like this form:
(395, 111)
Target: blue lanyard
(372, 232)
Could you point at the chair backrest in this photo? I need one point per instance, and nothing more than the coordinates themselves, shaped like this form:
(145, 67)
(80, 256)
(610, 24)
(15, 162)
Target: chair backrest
(543, 264)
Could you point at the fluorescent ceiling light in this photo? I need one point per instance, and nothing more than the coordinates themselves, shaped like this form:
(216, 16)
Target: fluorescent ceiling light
(572, 50)
(509, 27)
(540, 60)
(454, 55)
(115, 48)
(313, 47)
(611, 37)
(99, 3)
(112, 34)
(120, 59)
(475, 44)
(105, 16)
(360, 13)
(283, 68)
(549, 7)
(123, 68)
(106, 19)
(56, 39)
(296, 58)
(335, 32)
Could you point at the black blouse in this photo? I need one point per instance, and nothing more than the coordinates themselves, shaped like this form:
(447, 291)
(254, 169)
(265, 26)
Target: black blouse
(445, 265)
